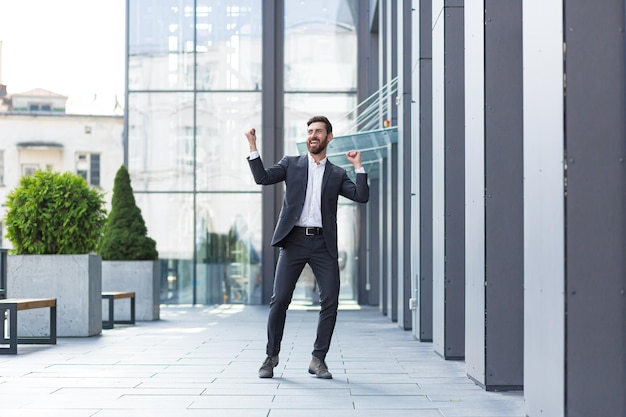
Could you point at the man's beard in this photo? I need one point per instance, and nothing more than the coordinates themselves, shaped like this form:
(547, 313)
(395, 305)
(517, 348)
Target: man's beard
(320, 148)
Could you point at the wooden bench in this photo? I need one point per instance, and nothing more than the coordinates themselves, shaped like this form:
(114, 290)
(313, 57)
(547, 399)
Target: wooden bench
(8, 313)
(111, 297)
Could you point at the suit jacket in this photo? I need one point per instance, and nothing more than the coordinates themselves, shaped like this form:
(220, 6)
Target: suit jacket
(294, 170)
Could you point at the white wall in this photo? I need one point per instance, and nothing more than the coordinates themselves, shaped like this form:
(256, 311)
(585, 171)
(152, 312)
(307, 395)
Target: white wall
(475, 189)
(544, 372)
(105, 138)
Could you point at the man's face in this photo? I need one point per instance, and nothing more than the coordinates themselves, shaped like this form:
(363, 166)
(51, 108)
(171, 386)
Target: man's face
(317, 138)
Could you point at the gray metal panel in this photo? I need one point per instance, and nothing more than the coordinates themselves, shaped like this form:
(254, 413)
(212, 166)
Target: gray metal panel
(422, 168)
(383, 78)
(363, 283)
(374, 249)
(391, 38)
(455, 184)
(403, 202)
(595, 210)
(415, 168)
(367, 53)
(438, 176)
(272, 117)
(392, 227)
(425, 12)
(384, 231)
(504, 191)
(372, 14)
(425, 294)
(544, 361)
(369, 285)
(475, 191)
(392, 54)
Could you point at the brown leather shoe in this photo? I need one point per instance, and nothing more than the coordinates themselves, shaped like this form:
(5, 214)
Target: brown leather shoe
(318, 368)
(267, 369)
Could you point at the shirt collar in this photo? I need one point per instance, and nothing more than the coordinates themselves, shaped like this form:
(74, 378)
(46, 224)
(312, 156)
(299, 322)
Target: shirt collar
(312, 161)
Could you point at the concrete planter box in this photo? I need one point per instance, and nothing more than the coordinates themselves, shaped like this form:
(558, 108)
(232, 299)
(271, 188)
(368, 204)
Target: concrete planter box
(142, 277)
(74, 280)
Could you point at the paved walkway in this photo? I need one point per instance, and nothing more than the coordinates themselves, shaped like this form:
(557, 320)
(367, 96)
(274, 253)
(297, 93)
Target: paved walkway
(203, 361)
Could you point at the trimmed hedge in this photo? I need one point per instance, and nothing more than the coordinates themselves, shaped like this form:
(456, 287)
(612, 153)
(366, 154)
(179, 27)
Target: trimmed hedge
(54, 213)
(125, 234)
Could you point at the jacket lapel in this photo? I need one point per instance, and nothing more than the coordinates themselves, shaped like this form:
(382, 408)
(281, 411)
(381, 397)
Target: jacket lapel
(327, 172)
(303, 168)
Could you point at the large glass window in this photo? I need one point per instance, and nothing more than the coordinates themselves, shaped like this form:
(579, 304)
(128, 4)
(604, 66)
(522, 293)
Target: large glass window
(161, 141)
(228, 246)
(320, 45)
(161, 44)
(186, 150)
(221, 148)
(169, 219)
(229, 45)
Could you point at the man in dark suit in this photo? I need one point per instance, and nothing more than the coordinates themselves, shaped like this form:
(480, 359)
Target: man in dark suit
(306, 232)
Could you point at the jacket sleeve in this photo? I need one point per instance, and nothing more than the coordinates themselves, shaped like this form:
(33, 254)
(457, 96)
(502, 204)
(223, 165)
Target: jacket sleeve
(359, 192)
(272, 175)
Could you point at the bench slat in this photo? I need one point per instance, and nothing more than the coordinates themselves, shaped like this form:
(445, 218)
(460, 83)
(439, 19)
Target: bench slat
(119, 294)
(29, 303)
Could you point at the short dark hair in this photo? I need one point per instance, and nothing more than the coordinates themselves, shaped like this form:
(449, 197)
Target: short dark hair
(323, 119)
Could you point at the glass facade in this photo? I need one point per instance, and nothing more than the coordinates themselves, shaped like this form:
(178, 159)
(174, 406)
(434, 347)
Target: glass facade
(194, 87)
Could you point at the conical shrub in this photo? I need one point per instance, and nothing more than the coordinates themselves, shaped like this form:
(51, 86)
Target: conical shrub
(125, 234)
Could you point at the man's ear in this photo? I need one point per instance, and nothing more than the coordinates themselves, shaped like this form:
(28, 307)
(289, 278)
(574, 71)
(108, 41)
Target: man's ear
(330, 137)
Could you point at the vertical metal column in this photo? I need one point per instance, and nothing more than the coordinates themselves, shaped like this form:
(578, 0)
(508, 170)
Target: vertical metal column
(494, 303)
(383, 52)
(438, 175)
(424, 224)
(595, 209)
(391, 43)
(367, 51)
(544, 224)
(392, 227)
(369, 259)
(384, 231)
(449, 181)
(504, 203)
(272, 118)
(403, 208)
(475, 218)
(454, 181)
(373, 293)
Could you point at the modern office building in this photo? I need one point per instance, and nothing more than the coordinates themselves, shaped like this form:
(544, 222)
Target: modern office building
(494, 135)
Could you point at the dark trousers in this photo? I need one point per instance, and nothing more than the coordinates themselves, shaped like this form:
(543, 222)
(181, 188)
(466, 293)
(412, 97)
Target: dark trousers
(299, 250)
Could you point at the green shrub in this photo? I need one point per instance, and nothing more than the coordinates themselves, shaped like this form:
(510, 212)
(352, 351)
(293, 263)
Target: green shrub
(125, 234)
(54, 213)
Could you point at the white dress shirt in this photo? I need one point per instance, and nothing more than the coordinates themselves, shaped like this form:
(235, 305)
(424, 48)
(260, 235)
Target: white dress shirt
(312, 211)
